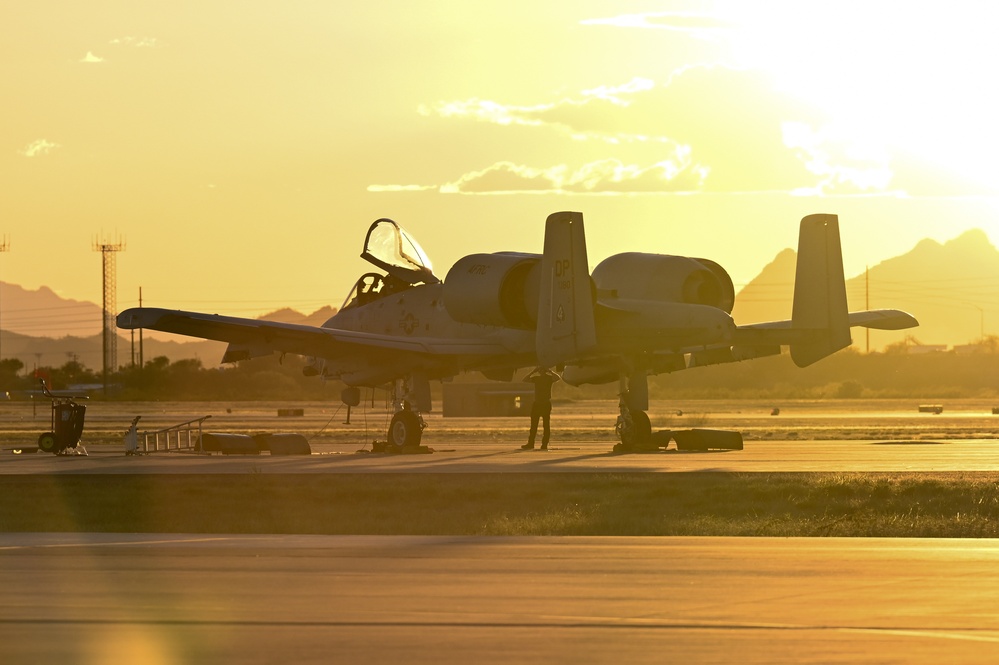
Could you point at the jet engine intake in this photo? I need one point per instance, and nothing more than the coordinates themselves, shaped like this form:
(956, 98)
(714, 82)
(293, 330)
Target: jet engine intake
(498, 289)
(664, 278)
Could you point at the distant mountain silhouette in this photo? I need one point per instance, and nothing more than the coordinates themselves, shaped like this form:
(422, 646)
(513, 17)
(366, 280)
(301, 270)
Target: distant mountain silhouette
(768, 296)
(288, 315)
(54, 352)
(951, 288)
(40, 328)
(42, 312)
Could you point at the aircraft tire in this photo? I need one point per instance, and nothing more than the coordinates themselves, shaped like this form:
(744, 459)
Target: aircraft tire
(47, 443)
(404, 430)
(639, 435)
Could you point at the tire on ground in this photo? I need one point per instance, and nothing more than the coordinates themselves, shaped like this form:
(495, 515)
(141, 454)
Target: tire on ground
(640, 435)
(47, 443)
(405, 430)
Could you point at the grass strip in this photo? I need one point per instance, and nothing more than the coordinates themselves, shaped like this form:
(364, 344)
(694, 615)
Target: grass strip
(955, 505)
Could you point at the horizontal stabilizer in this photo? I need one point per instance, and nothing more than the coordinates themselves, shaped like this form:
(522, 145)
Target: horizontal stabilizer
(883, 319)
(784, 333)
(820, 321)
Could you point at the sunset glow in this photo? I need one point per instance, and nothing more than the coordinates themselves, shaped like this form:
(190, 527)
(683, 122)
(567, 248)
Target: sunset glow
(244, 153)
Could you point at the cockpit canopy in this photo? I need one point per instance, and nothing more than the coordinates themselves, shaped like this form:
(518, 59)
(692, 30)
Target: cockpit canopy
(389, 247)
(393, 250)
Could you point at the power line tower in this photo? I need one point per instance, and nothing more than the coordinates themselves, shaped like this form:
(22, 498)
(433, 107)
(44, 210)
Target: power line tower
(109, 332)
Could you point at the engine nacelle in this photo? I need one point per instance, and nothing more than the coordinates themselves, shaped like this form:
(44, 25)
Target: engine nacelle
(494, 289)
(679, 279)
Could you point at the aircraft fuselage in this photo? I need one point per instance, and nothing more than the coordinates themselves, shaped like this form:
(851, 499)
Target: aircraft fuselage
(418, 313)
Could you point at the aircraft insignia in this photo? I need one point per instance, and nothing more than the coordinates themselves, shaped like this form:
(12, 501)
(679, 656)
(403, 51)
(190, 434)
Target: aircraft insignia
(409, 323)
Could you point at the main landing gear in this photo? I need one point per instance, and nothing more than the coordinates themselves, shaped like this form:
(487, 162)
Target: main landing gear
(405, 430)
(633, 426)
(635, 430)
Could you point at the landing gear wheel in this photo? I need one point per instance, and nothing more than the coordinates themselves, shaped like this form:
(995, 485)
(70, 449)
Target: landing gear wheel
(638, 434)
(47, 443)
(405, 430)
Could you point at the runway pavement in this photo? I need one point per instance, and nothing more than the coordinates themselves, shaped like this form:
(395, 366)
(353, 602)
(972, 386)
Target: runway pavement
(89, 598)
(484, 456)
(151, 598)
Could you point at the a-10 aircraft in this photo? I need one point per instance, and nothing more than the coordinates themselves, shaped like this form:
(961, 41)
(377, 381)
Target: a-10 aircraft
(636, 315)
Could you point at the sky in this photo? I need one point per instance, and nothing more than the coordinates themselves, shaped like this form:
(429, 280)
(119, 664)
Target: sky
(238, 151)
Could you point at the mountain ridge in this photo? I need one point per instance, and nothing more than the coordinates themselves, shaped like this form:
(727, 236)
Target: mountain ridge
(88, 348)
(951, 287)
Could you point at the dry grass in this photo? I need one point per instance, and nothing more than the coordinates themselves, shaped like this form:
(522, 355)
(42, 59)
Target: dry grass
(786, 504)
(782, 504)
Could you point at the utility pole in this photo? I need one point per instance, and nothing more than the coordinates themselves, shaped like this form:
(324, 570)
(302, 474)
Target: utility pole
(109, 331)
(4, 247)
(867, 302)
(140, 337)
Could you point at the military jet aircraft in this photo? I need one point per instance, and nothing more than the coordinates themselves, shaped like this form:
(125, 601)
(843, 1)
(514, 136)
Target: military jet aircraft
(637, 314)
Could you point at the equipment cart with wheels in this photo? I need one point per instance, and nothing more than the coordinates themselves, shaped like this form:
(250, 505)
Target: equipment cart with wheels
(67, 424)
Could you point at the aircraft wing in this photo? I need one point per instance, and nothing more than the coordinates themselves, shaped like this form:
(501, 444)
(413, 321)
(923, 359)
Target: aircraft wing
(251, 337)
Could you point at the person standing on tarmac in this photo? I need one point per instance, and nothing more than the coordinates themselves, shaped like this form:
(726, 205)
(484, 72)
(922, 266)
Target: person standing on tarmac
(541, 410)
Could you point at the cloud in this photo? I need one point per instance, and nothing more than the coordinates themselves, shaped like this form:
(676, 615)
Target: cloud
(722, 128)
(136, 42)
(91, 58)
(39, 148)
(731, 120)
(571, 116)
(608, 176)
(844, 164)
(703, 26)
(401, 188)
(710, 129)
(916, 175)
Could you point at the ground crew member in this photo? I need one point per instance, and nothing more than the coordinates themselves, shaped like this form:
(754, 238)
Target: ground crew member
(541, 410)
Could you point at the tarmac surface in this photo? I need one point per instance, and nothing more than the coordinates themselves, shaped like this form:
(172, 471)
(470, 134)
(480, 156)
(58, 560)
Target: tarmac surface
(155, 598)
(484, 456)
(808, 435)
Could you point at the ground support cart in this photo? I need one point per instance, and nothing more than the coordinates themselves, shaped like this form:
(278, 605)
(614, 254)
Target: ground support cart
(67, 425)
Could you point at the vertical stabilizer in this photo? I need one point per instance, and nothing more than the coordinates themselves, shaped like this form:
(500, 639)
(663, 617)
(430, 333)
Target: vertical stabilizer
(565, 306)
(820, 307)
